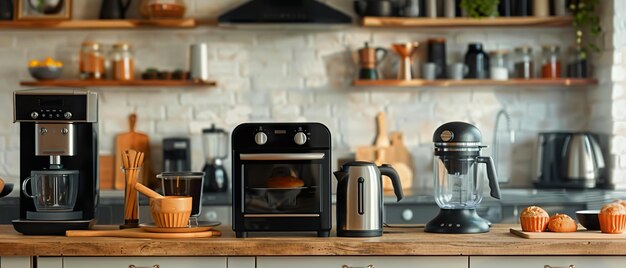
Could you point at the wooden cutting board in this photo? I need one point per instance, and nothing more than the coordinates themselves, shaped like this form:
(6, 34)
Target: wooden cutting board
(368, 153)
(107, 172)
(136, 141)
(138, 233)
(580, 234)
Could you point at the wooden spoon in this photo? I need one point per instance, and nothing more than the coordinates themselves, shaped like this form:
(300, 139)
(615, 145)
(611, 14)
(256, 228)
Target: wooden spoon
(147, 191)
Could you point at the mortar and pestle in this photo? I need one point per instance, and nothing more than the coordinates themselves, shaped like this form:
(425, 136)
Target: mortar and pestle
(167, 211)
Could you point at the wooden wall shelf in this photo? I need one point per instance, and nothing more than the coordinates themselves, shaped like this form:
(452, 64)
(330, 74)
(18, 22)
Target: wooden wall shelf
(476, 82)
(399, 22)
(114, 83)
(104, 24)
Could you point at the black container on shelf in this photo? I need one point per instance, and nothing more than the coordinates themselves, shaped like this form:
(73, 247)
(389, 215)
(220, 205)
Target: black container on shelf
(505, 8)
(6, 9)
(437, 54)
(522, 8)
(477, 62)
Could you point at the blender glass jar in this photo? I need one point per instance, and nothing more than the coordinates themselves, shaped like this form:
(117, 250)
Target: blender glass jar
(52, 190)
(458, 184)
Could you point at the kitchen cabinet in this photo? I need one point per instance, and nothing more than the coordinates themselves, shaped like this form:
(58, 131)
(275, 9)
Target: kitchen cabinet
(241, 262)
(547, 262)
(138, 262)
(353, 262)
(15, 262)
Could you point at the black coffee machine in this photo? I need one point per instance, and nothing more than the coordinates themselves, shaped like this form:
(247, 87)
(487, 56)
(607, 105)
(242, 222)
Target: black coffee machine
(58, 160)
(176, 154)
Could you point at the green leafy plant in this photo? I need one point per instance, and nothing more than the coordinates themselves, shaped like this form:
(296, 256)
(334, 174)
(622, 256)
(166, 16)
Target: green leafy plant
(480, 8)
(585, 20)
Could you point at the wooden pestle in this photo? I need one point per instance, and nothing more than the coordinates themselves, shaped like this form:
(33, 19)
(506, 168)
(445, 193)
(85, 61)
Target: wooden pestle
(147, 191)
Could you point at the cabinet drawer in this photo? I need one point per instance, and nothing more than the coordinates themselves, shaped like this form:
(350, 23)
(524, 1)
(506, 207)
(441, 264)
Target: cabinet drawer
(144, 262)
(376, 262)
(552, 261)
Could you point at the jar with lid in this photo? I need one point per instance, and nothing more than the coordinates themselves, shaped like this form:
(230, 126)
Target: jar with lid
(122, 62)
(499, 67)
(92, 61)
(577, 66)
(551, 62)
(163, 9)
(524, 67)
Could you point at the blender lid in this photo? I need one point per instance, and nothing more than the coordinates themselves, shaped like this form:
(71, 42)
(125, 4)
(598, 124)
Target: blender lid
(457, 134)
(53, 172)
(213, 129)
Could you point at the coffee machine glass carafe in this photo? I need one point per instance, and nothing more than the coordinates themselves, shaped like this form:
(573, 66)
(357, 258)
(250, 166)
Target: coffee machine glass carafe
(215, 141)
(458, 182)
(52, 190)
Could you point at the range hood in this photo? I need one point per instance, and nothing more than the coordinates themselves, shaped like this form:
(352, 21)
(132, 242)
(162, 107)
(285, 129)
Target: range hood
(284, 12)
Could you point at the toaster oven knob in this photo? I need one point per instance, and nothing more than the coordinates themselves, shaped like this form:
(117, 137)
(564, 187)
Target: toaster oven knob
(260, 138)
(300, 138)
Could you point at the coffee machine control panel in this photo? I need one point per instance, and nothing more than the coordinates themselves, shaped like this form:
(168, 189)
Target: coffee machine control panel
(43, 107)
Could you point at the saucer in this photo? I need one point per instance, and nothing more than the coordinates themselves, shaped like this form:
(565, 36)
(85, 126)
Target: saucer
(202, 227)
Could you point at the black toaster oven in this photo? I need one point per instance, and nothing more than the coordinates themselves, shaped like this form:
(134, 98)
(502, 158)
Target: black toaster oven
(281, 178)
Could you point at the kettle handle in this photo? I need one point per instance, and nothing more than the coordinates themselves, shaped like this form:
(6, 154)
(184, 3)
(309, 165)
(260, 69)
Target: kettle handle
(381, 54)
(491, 175)
(388, 171)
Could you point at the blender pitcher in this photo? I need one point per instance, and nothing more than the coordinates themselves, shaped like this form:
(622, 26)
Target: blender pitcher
(458, 182)
(215, 141)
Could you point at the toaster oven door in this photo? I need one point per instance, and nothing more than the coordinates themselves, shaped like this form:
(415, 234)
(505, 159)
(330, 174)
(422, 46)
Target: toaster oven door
(283, 184)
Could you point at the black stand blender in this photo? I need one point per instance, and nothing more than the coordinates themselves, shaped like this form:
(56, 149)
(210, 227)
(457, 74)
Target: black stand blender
(215, 141)
(458, 184)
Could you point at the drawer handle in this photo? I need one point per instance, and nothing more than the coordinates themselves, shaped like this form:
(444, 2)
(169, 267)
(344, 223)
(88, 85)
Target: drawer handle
(346, 266)
(153, 266)
(550, 266)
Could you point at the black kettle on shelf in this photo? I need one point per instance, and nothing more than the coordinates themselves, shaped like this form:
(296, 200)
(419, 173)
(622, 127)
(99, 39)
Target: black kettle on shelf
(114, 9)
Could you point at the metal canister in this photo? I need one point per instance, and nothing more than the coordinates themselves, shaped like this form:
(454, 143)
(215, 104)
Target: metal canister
(199, 62)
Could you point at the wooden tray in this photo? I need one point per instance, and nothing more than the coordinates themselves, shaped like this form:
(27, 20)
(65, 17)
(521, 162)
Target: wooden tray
(138, 233)
(580, 234)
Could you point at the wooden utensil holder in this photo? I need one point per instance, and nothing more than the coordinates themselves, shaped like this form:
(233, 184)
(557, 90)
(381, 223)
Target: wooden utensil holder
(131, 198)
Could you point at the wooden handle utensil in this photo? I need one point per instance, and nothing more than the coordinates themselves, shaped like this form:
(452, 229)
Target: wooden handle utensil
(147, 191)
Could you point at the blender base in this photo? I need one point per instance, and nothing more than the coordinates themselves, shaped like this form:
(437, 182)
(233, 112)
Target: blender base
(457, 221)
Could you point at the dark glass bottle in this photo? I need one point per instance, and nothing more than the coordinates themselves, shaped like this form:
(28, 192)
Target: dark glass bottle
(6, 9)
(437, 55)
(477, 62)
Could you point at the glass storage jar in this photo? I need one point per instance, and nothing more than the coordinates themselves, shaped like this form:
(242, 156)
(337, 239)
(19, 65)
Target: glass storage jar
(551, 62)
(524, 67)
(577, 63)
(165, 9)
(92, 61)
(499, 68)
(122, 62)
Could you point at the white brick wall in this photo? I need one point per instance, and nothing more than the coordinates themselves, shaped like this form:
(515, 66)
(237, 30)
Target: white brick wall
(273, 75)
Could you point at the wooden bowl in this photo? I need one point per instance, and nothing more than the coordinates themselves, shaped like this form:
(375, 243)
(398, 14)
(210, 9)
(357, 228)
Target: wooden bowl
(171, 211)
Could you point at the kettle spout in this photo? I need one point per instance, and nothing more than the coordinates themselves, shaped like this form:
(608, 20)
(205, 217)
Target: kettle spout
(340, 174)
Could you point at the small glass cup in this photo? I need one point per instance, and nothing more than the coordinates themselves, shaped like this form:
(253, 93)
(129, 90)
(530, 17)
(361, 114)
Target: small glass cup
(185, 184)
(131, 199)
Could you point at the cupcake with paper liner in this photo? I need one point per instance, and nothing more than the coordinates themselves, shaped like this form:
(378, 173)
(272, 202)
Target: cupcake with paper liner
(612, 218)
(562, 223)
(534, 219)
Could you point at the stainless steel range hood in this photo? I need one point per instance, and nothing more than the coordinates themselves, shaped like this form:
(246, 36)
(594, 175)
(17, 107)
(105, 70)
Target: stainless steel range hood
(277, 12)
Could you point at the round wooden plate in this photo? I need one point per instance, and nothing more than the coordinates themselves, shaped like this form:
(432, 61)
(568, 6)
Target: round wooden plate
(202, 227)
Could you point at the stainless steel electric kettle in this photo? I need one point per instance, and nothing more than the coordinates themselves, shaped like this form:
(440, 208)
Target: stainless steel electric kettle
(360, 198)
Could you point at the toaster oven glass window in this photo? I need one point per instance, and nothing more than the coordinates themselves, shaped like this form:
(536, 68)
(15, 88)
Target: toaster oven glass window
(285, 187)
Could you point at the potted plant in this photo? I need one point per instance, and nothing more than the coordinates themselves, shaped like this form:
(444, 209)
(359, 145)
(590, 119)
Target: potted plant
(586, 23)
(480, 8)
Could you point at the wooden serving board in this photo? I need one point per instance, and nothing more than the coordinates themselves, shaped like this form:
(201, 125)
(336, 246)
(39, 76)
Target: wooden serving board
(132, 140)
(138, 233)
(580, 234)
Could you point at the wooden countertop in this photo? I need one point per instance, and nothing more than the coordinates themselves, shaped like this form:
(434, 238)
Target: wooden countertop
(397, 241)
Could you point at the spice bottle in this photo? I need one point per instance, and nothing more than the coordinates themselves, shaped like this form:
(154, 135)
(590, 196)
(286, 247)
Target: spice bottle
(499, 68)
(122, 62)
(92, 62)
(551, 63)
(524, 67)
(577, 63)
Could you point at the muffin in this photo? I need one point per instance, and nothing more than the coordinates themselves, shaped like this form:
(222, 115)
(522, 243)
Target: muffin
(534, 219)
(621, 202)
(562, 223)
(612, 218)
